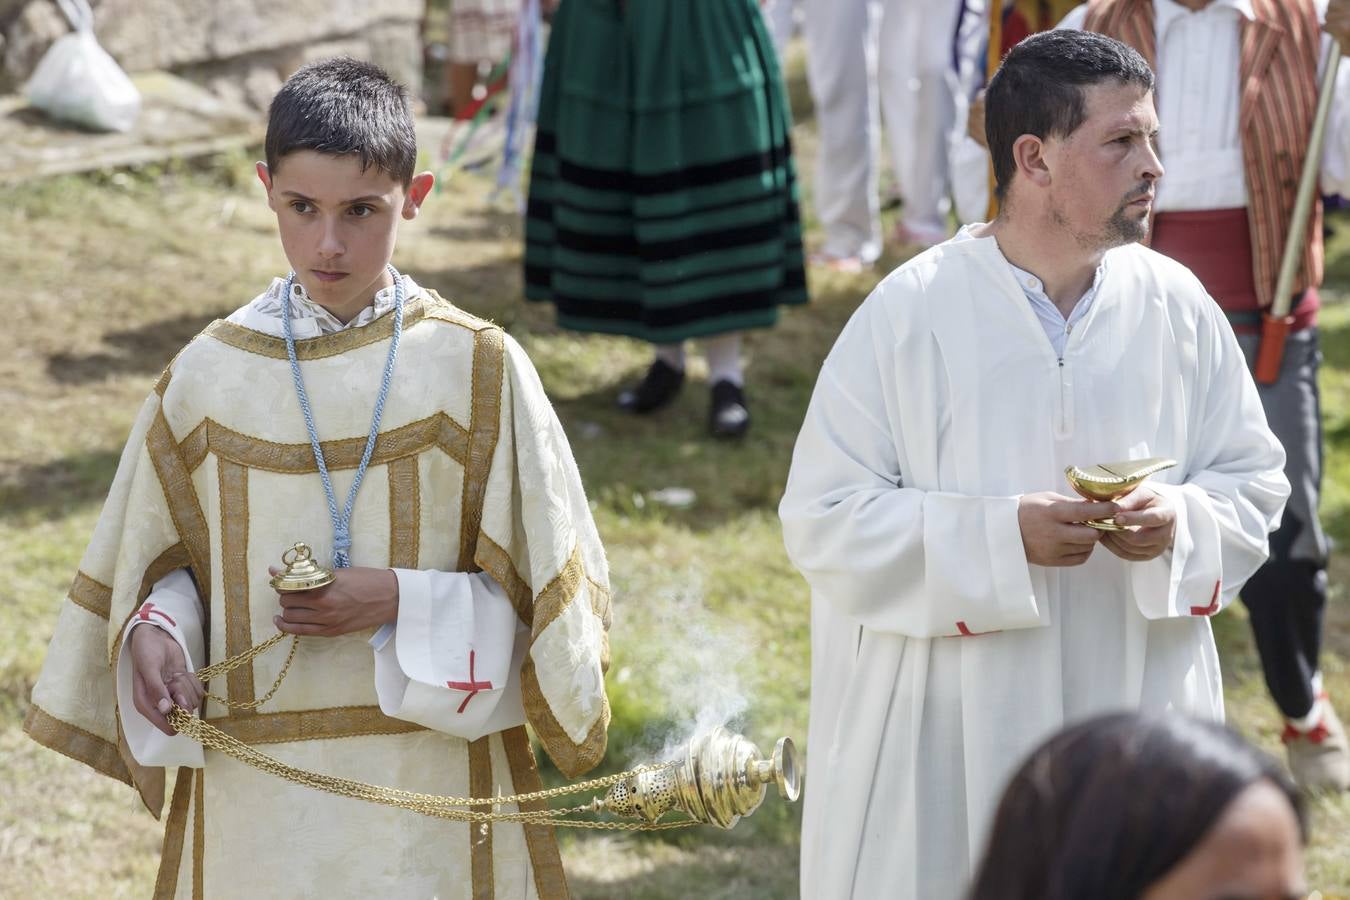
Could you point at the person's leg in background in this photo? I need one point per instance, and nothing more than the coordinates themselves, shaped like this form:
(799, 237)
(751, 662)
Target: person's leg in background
(1287, 597)
(840, 62)
(916, 75)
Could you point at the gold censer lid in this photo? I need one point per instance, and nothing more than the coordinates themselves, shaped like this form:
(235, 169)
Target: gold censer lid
(302, 572)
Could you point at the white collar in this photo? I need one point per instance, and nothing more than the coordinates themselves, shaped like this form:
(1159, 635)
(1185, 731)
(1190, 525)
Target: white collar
(302, 307)
(309, 319)
(1167, 12)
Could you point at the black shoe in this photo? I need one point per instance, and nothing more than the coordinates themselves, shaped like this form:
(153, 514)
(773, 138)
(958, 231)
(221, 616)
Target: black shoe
(728, 416)
(657, 388)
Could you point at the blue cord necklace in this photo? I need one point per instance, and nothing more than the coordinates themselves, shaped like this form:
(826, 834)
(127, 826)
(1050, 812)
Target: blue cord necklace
(342, 541)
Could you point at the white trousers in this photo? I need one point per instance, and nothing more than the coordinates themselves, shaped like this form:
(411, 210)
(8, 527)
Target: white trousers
(895, 57)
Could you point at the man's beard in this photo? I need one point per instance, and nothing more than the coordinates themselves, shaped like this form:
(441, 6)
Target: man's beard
(1121, 229)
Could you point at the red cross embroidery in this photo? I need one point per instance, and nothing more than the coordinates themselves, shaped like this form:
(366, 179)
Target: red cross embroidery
(473, 687)
(1213, 604)
(148, 610)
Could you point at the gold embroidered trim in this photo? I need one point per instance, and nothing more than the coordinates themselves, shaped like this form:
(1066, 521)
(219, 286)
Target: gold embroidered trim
(94, 596)
(312, 725)
(488, 362)
(147, 780)
(601, 601)
(558, 593)
(68, 740)
(572, 759)
(429, 305)
(480, 833)
(550, 881)
(298, 459)
(181, 497)
(444, 311)
(325, 345)
(171, 856)
(162, 383)
(492, 558)
(405, 513)
(198, 835)
(193, 447)
(234, 576)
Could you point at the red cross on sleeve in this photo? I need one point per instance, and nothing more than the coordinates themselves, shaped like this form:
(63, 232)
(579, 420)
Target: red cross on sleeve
(149, 609)
(472, 686)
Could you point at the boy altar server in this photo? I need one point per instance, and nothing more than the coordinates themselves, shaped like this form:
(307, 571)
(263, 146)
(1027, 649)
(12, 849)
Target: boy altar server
(961, 611)
(412, 445)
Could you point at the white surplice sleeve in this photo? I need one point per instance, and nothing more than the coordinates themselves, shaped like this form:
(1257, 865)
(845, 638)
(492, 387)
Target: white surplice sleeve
(174, 606)
(893, 558)
(452, 662)
(1234, 490)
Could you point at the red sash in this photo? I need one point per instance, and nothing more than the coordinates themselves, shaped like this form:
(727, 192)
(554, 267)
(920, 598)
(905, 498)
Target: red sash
(1216, 245)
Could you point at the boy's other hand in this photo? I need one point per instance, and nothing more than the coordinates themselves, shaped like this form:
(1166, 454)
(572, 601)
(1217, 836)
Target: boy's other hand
(1052, 529)
(159, 676)
(359, 598)
(1153, 525)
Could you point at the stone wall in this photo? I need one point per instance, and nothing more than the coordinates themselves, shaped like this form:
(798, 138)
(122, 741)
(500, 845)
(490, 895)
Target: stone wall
(241, 49)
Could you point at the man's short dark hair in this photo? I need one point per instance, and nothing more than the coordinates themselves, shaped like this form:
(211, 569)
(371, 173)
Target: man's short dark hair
(340, 106)
(1039, 89)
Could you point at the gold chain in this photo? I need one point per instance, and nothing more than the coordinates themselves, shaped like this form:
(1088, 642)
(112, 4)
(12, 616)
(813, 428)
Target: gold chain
(427, 804)
(206, 673)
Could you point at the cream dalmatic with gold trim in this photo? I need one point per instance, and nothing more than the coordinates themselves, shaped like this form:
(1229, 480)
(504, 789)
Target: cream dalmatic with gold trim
(471, 473)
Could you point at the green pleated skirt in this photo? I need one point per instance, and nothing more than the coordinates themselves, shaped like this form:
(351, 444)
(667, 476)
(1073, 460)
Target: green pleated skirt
(663, 196)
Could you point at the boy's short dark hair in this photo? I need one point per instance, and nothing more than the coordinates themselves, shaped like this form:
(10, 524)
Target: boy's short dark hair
(1039, 89)
(340, 106)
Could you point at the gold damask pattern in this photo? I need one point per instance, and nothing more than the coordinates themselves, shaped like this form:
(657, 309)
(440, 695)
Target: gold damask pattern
(193, 447)
(78, 744)
(234, 575)
(326, 345)
(549, 879)
(171, 856)
(489, 352)
(438, 430)
(312, 725)
(405, 513)
(198, 834)
(492, 558)
(571, 758)
(91, 595)
(480, 833)
(184, 506)
(559, 592)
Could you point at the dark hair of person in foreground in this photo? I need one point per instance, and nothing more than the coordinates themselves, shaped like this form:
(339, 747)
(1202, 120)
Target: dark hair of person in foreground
(1125, 806)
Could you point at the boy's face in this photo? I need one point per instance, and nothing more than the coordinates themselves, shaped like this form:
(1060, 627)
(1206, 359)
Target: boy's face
(339, 224)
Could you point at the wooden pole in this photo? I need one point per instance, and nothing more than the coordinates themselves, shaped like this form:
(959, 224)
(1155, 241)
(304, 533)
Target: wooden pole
(1275, 322)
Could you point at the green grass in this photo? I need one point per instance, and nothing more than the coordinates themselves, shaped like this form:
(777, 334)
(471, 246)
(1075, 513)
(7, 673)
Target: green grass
(111, 274)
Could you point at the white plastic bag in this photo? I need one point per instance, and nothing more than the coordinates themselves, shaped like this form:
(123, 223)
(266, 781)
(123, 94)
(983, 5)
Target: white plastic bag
(77, 81)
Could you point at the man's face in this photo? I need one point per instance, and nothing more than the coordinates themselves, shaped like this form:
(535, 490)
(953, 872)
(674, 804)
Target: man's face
(1103, 175)
(339, 224)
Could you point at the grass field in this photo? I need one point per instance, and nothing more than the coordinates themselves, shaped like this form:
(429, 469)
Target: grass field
(106, 276)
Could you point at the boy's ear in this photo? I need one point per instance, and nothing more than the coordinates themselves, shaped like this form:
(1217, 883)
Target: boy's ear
(418, 189)
(265, 177)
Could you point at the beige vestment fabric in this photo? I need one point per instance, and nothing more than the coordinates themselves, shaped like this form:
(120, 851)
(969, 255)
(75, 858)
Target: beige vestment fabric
(471, 471)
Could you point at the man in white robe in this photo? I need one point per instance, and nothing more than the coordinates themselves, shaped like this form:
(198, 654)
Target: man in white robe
(960, 614)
